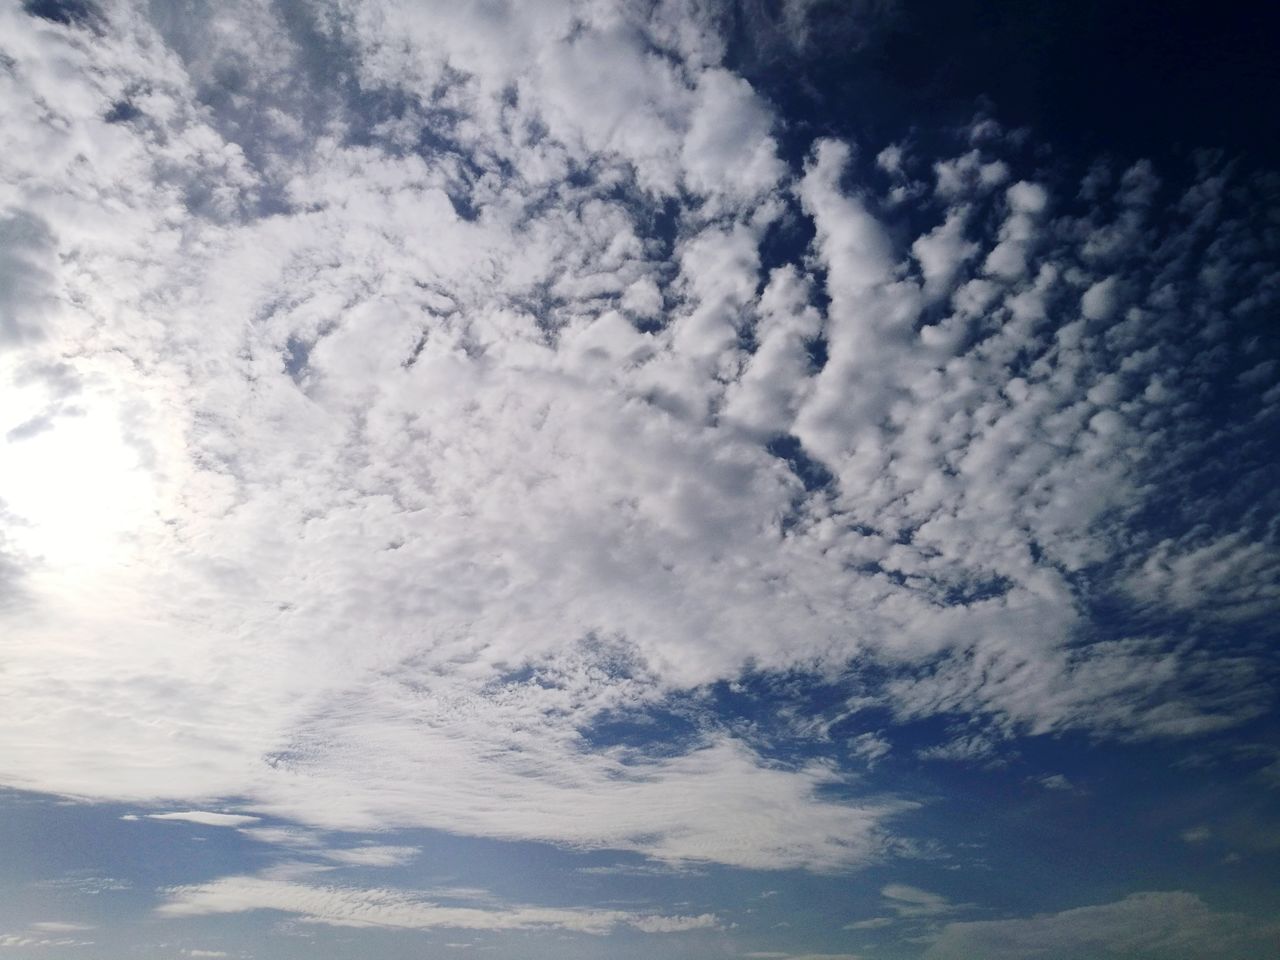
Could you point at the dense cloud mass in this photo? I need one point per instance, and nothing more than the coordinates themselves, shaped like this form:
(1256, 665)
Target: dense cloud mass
(396, 394)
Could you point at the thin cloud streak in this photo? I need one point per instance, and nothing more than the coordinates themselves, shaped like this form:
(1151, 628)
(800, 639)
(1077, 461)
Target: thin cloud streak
(352, 907)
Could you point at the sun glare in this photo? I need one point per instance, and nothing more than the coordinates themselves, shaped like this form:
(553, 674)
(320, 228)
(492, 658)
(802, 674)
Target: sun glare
(73, 487)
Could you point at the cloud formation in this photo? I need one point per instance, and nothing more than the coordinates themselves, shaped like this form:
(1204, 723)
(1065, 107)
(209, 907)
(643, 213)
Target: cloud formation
(206, 818)
(366, 453)
(391, 909)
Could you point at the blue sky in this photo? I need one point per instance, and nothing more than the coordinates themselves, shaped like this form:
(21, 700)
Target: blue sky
(767, 480)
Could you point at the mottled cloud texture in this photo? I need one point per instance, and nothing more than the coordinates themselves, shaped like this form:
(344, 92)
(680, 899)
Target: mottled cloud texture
(393, 392)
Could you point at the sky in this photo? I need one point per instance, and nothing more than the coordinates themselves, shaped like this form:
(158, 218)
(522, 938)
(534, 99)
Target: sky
(784, 479)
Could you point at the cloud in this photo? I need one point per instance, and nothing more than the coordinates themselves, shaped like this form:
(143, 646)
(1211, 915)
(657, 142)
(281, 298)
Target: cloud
(1194, 835)
(703, 921)
(444, 418)
(1099, 301)
(26, 277)
(942, 252)
(82, 882)
(1173, 924)
(355, 907)
(912, 902)
(313, 844)
(37, 936)
(27, 941)
(870, 747)
(728, 147)
(764, 817)
(969, 748)
(871, 923)
(374, 855)
(206, 818)
(1231, 578)
(647, 869)
(1056, 781)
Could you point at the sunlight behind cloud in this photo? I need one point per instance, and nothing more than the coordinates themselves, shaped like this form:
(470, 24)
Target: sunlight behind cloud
(78, 494)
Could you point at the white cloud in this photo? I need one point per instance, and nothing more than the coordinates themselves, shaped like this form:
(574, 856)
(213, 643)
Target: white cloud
(942, 252)
(28, 941)
(206, 818)
(374, 855)
(728, 145)
(870, 747)
(968, 747)
(777, 380)
(658, 924)
(356, 907)
(912, 902)
(302, 507)
(1100, 300)
(871, 923)
(968, 174)
(713, 804)
(313, 844)
(61, 926)
(1232, 577)
(1056, 781)
(1019, 232)
(890, 159)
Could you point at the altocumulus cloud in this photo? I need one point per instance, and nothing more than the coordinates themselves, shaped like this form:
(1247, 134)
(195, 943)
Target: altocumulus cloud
(365, 446)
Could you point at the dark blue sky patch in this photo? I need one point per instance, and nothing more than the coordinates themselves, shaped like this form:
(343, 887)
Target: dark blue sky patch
(297, 353)
(784, 244)
(811, 472)
(71, 13)
(1137, 79)
(122, 111)
(976, 591)
(662, 731)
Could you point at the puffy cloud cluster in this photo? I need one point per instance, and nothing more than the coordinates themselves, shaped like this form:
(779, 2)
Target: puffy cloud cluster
(362, 449)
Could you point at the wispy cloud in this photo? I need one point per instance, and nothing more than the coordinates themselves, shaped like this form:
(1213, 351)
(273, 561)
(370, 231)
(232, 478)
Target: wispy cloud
(910, 902)
(32, 941)
(355, 907)
(205, 818)
(1141, 925)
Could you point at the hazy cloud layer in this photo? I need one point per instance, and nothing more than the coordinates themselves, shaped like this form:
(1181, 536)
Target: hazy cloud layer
(1147, 925)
